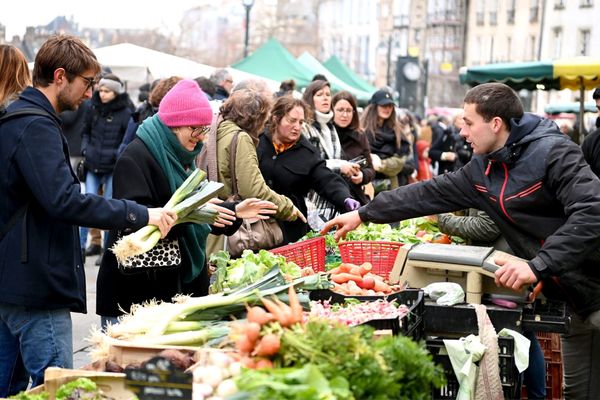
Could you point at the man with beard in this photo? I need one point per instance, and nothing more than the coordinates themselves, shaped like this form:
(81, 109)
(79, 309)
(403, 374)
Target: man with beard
(42, 277)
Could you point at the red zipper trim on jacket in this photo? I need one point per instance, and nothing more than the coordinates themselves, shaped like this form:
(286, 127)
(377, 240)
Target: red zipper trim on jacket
(501, 197)
(481, 188)
(527, 191)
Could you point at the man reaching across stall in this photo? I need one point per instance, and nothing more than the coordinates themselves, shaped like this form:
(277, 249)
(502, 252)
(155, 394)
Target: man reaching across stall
(534, 183)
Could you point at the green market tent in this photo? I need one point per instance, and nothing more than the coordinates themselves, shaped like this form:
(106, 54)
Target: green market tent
(581, 73)
(273, 61)
(342, 71)
(337, 84)
(570, 108)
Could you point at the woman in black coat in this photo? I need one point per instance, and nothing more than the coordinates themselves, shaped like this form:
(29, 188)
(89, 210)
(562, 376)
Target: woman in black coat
(150, 169)
(104, 126)
(355, 145)
(292, 166)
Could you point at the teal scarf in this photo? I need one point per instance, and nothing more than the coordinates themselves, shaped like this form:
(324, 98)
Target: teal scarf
(174, 159)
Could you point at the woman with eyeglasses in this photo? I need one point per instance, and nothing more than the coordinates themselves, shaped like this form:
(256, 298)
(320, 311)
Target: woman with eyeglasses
(242, 118)
(103, 130)
(355, 146)
(292, 166)
(149, 171)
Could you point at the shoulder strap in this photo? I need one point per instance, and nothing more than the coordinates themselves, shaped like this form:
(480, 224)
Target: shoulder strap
(24, 111)
(232, 153)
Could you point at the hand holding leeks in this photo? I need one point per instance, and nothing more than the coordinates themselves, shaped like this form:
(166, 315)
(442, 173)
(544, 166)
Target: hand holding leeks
(187, 202)
(163, 219)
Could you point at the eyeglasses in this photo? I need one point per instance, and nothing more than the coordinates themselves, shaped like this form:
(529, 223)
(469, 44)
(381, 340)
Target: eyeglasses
(343, 111)
(90, 81)
(200, 131)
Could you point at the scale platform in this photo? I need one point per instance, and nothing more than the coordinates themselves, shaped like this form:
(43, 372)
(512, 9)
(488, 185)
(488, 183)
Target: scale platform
(472, 267)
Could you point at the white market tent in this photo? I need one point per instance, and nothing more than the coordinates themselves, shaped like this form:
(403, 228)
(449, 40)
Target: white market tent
(137, 65)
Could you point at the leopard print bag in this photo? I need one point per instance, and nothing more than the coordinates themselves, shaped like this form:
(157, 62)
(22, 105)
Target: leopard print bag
(165, 255)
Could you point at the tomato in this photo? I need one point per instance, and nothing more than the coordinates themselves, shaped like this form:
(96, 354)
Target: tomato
(441, 238)
(421, 233)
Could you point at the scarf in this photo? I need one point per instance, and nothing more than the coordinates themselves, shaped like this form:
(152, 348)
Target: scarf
(173, 158)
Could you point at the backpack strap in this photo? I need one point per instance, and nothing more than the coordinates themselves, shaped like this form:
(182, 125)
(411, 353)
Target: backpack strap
(23, 111)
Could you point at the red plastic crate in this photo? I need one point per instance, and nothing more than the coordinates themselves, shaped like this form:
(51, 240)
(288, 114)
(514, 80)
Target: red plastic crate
(308, 253)
(381, 254)
(550, 344)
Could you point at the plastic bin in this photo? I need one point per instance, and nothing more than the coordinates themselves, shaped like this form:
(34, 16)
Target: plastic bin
(509, 375)
(550, 344)
(381, 254)
(308, 253)
(411, 325)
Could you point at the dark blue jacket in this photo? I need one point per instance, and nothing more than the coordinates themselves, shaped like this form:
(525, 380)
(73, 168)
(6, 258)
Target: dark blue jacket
(103, 132)
(541, 194)
(34, 160)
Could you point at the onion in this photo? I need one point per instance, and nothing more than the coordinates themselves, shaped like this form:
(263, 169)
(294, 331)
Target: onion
(227, 388)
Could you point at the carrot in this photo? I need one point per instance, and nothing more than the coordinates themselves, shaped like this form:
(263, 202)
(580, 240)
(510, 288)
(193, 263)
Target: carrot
(269, 345)
(355, 271)
(295, 305)
(381, 286)
(274, 309)
(252, 331)
(345, 277)
(354, 289)
(243, 345)
(340, 288)
(334, 271)
(258, 315)
(367, 282)
(289, 320)
(345, 267)
(365, 268)
(263, 363)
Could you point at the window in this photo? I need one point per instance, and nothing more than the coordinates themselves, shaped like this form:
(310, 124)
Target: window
(533, 10)
(584, 42)
(586, 3)
(494, 12)
(559, 4)
(508, 48)
(532, 48)
(557, 37)
(510, 12)
(480, 13)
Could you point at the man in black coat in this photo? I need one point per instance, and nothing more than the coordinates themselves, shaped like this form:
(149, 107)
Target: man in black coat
(42, 279)
(591, 145)
(533, 182)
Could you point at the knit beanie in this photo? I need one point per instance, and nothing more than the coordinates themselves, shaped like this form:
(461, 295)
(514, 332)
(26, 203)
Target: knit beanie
(185, 105)
(113, 83)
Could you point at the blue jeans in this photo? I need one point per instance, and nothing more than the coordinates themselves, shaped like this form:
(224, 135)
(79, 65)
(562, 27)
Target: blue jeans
(93, 182)
(534, 376)
(31, 341)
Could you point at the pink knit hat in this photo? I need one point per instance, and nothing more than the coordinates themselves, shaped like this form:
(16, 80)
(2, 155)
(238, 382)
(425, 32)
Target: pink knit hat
(185, 105)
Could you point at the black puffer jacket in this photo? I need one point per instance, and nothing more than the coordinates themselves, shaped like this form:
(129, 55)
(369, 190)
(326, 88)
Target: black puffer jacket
(294, 173)
(542, 195)
(103, 132)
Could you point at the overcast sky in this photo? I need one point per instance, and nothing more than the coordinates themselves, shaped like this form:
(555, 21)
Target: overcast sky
(163, 15)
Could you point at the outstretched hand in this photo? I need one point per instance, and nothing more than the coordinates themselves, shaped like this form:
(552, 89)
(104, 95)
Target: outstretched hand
(162, 218)
(225, 216)
(344, 223)
(255, 208)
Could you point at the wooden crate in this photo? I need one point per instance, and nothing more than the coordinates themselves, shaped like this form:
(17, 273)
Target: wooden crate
(125, 353)
(112, 384)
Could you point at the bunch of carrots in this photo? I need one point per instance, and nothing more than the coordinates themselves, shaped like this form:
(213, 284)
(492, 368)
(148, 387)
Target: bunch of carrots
(358, 280)
(260, 337)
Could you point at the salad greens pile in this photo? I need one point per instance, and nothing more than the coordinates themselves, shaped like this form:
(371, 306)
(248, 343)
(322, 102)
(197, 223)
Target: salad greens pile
(249, 268)
(351, 364)
(81, 388)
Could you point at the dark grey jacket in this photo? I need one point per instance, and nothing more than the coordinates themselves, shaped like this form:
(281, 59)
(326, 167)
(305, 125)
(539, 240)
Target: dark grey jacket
(541, 194)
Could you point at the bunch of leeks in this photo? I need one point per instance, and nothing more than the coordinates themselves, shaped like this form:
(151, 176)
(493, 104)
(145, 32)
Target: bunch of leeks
(187, 201)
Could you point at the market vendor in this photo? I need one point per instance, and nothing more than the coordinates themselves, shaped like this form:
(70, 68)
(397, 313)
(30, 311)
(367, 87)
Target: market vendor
(534, 183)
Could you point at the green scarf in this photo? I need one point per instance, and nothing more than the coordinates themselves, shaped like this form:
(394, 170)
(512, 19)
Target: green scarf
(173, 158)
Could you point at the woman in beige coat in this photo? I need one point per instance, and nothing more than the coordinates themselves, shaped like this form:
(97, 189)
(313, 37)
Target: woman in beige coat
(245, 113)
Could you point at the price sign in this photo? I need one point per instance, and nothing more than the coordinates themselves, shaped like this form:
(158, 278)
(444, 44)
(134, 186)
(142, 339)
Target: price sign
(158, 379)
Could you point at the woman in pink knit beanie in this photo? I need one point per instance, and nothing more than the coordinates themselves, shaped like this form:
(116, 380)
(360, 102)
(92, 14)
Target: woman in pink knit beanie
(150, 169)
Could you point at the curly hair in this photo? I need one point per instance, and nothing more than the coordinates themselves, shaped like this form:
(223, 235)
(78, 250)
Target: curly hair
(161, 89)
(248, 109)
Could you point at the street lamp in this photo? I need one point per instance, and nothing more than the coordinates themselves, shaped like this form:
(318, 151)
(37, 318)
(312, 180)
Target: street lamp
(247, 5)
